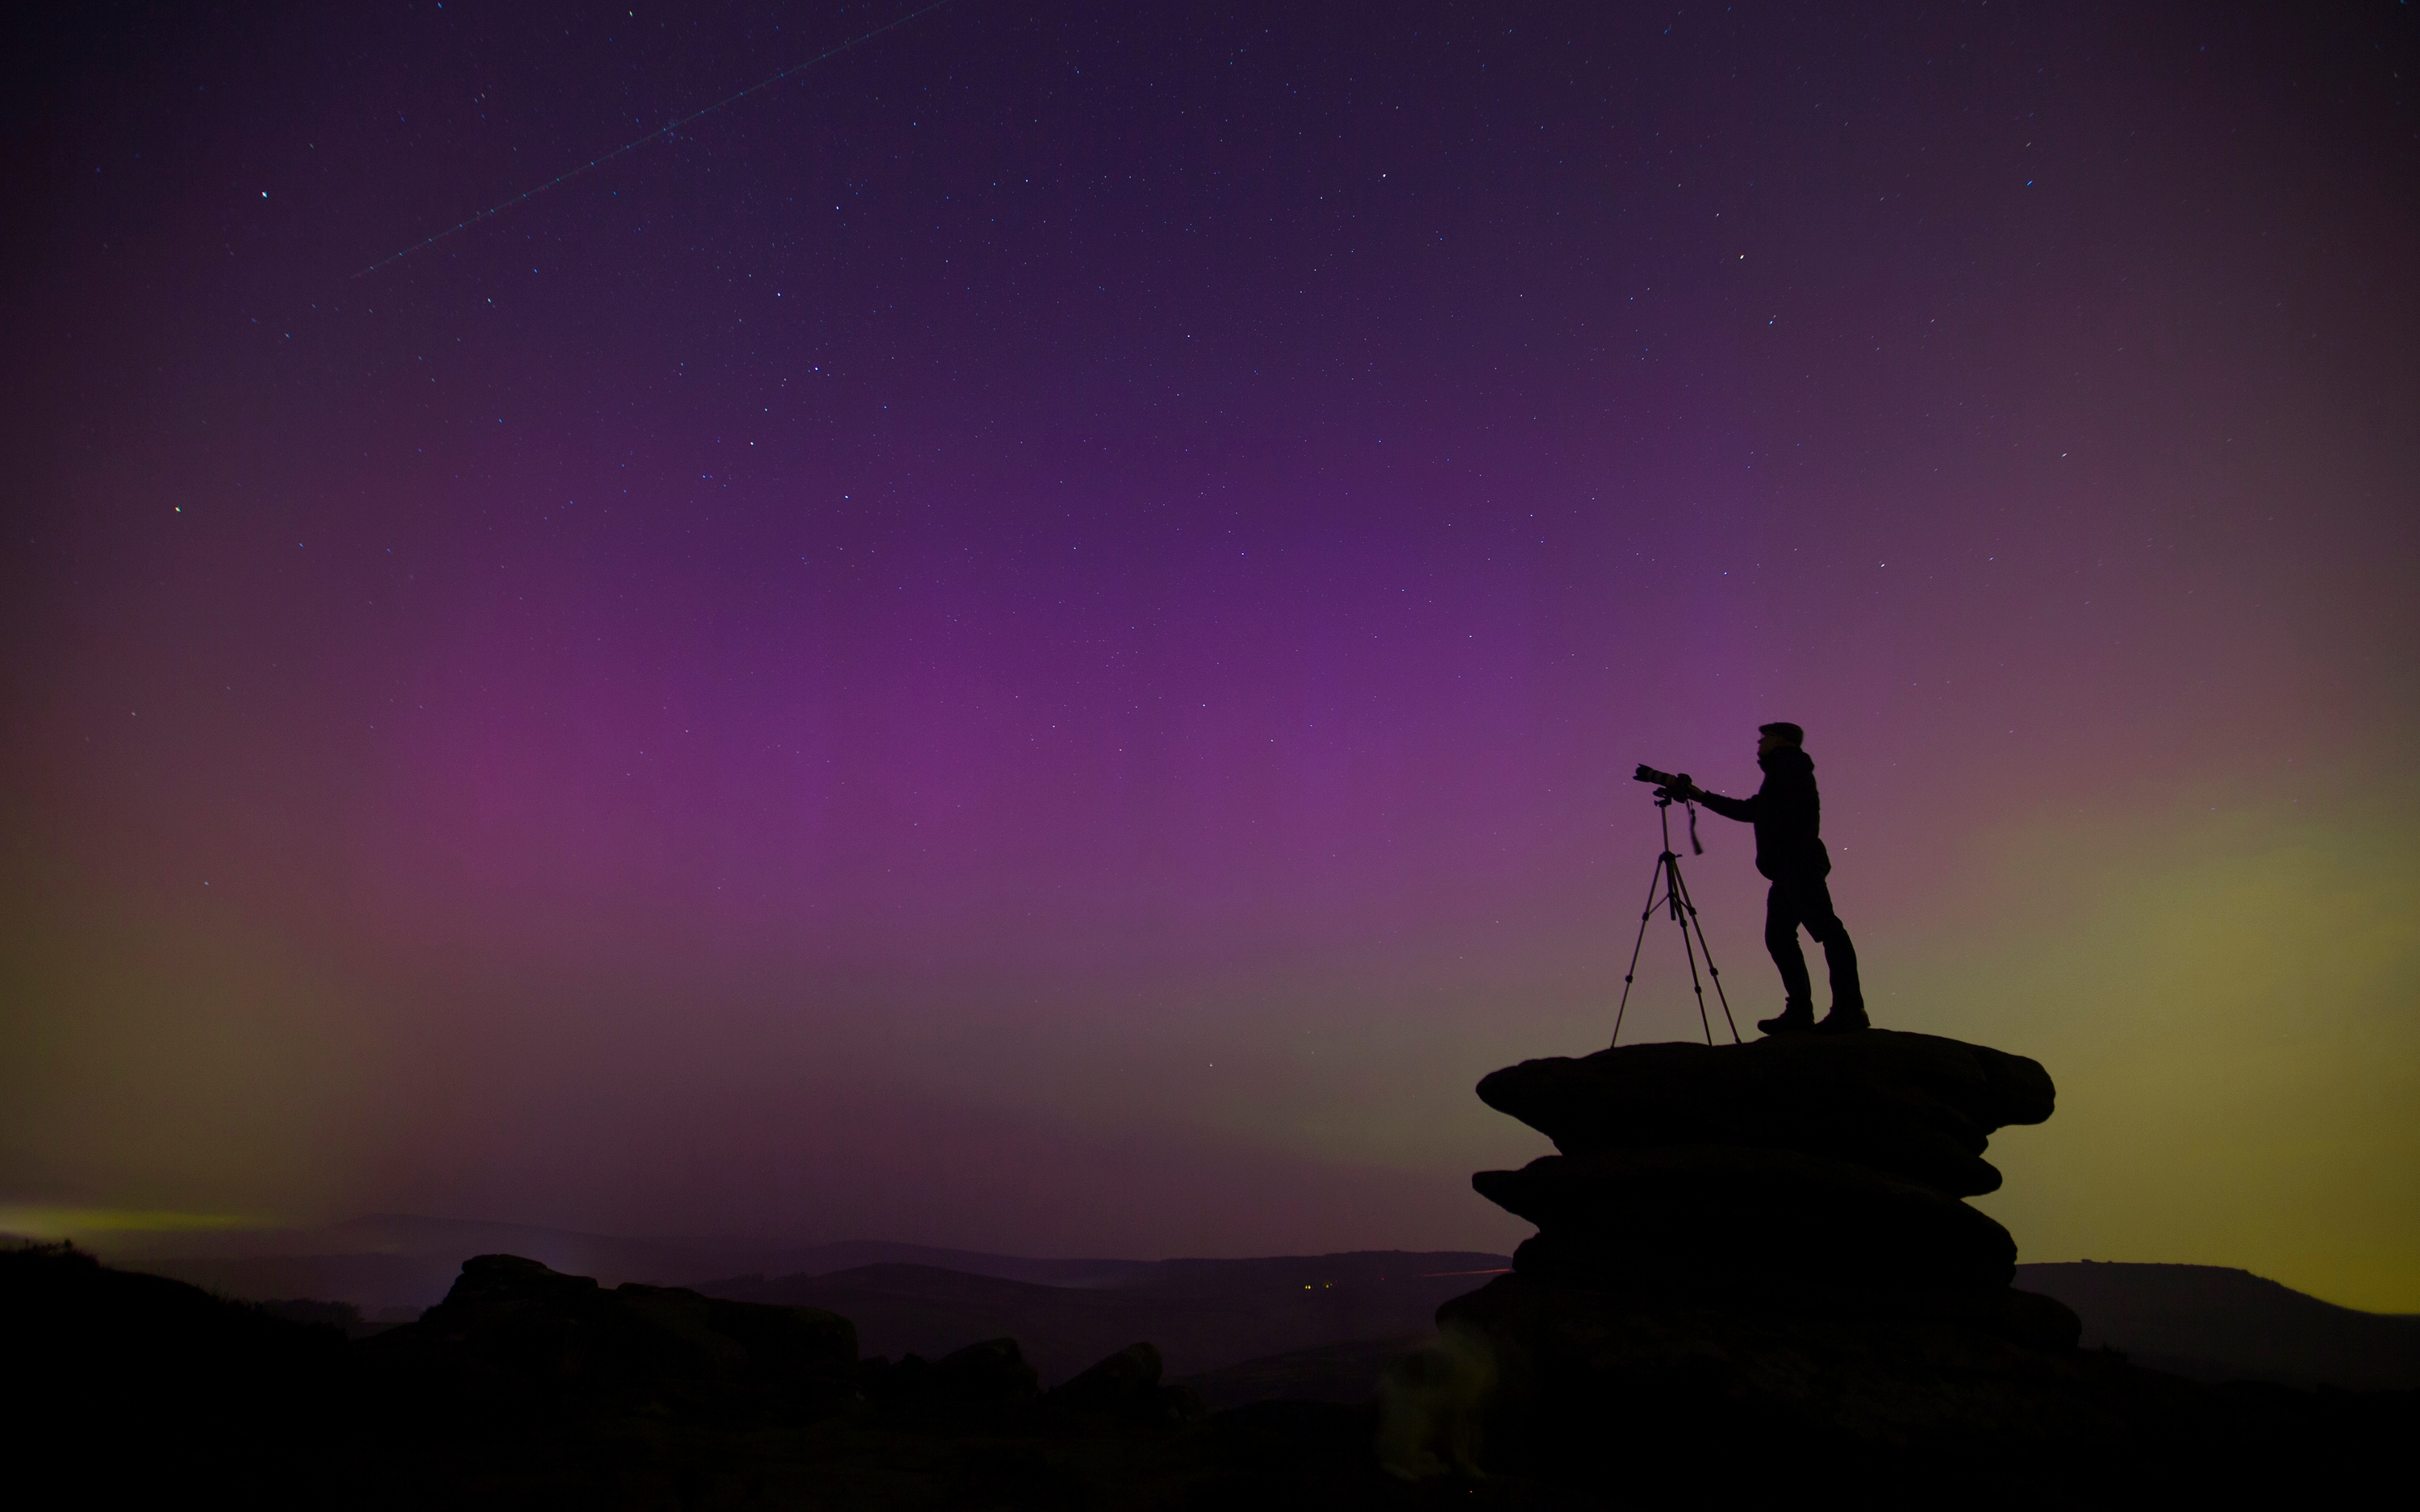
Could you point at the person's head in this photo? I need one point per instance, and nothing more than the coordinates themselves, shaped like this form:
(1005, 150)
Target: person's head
(1773, 737)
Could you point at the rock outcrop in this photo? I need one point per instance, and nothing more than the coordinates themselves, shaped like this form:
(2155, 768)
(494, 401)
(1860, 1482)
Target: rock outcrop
(1823, 1164)
(525, 1327)
(1126, 1385)
(1771, 1237)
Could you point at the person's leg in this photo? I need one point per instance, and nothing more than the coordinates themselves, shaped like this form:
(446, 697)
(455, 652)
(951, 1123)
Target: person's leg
(1782, 939)
(1839, 958)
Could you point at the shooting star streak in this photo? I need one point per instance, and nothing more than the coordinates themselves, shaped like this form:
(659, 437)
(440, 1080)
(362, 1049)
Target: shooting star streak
(665, 130)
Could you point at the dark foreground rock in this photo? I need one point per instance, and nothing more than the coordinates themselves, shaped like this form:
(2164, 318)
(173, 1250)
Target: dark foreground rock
(1631, 1397)
(125, 1386)
(530, 1388)
(146, 1390)
(1346, 1373)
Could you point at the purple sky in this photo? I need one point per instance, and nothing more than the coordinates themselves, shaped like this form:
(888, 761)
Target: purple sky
(1032, 638)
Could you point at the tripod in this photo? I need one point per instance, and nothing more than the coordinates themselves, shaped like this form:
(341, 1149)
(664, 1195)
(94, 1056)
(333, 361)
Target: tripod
(1675, 897)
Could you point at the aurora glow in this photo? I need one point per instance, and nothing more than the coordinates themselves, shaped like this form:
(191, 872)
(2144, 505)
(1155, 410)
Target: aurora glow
(1034, 639)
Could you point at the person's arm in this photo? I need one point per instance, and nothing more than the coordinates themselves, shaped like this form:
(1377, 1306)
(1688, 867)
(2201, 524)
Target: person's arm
(1743, 810)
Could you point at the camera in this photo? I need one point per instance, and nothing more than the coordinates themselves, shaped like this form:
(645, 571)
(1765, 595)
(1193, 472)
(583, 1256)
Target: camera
(1667, 784)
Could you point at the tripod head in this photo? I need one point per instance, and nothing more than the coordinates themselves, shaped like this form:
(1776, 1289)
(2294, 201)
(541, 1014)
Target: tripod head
(1672, 786)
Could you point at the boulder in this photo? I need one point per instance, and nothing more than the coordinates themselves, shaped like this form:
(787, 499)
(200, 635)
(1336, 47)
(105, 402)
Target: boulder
(1116, 1383)
(1741, 1221)
(993, 1370)
(525, 1322)
(1126, 1385)
(1915, 1106)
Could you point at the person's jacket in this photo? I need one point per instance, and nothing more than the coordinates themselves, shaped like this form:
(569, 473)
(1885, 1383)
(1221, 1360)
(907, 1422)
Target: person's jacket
(1788, 817)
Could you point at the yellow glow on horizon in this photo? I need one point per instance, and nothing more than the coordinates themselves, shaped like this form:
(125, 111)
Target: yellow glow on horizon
(2224, 994)
(32, 1221)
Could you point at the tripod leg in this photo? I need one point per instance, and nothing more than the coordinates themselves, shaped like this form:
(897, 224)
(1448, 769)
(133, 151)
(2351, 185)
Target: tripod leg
(1695, 985)
(1711, 970)
(1652, 883)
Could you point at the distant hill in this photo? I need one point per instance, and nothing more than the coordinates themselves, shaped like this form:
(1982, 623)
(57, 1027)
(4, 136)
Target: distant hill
(389, 1261)
(823, 1260)
(395, 1260)
(1202, 1314)
(2213, 1322)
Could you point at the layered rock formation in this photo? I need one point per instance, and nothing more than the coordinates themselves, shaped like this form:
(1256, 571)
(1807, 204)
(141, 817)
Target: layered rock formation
(1754, 1258)
(1798, 1164)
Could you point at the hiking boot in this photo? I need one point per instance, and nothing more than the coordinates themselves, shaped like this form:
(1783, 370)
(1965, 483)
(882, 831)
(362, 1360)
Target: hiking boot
(1796, 1018)
(1845, 1018)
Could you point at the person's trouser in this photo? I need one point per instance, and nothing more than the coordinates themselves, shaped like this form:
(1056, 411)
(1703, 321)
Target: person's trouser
(1809, 901)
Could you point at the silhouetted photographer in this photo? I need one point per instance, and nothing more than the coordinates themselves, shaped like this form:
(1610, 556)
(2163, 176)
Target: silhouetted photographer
(1788, 817)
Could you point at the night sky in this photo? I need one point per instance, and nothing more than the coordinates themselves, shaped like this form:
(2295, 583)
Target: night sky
(1032, 638)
